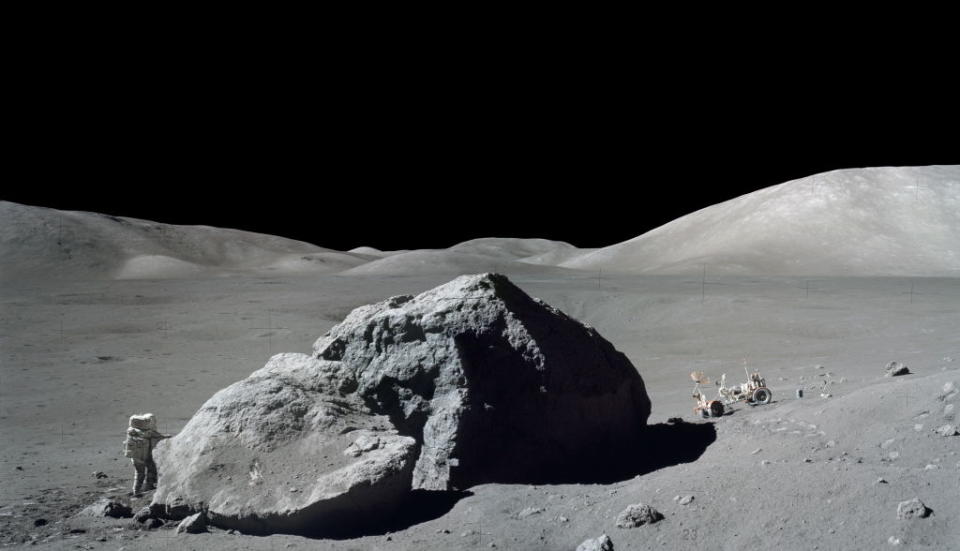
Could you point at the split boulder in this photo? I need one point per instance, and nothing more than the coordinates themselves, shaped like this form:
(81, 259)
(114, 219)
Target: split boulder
(470, 382)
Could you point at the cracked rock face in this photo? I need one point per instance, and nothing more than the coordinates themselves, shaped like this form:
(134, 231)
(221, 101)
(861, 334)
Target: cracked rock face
(469, 382)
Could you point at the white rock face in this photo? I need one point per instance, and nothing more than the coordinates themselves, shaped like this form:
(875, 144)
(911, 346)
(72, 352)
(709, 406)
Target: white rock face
(469, 382)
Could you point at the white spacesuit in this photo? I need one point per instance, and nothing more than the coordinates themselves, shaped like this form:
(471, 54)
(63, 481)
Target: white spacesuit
(142, 436)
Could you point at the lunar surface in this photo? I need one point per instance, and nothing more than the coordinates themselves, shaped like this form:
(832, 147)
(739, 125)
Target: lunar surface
(818, 284)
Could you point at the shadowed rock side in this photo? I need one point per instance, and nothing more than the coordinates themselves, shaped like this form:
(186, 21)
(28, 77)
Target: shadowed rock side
(470, 382)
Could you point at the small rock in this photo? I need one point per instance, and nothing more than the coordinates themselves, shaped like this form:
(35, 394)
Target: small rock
(40, 522)
(807, 460)
(826, 395)
(99, 474)
(912, 509)
(105, 507)
(948, 412)
(529, 511)
(603, 543)
(638, 514)
(819, 367)
(831, 443)
(153, 523)
(893, 455)
(194, 524)
(685, 500)
(143, 515)
(756, 451)
(918, 427)
(562, 519)
(896, 369)
(19, 468)
(881, 480)
(931, 467)
(947, 430)
(674, 420)
(894, 541)
(887, 443)
(765, 462)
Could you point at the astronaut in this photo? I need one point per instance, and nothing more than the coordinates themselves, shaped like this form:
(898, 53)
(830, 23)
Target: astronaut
(142, 436)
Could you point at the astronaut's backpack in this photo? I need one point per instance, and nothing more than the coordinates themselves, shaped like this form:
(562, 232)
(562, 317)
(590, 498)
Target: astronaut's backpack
(135, 447)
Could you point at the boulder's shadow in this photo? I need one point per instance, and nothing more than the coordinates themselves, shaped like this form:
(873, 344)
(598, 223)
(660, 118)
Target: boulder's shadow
(416, 507)
(655, 447)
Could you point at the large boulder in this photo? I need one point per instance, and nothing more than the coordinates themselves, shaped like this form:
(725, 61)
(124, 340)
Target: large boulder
(472, 381)
(267, 454)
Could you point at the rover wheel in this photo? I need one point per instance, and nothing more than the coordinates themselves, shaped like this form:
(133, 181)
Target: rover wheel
(762, 395)
(716, 408)
(704, 413)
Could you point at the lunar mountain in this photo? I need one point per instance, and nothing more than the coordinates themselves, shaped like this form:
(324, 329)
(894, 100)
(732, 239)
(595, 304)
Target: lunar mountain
(886, 221)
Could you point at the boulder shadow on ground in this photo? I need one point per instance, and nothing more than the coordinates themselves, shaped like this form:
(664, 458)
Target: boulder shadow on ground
(655, 447)
(416, 507)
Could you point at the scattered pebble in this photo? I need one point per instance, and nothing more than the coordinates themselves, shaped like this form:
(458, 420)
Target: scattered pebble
(194, 524)
(807, 460)
(826, 395)
(756, 451)
(143, 515)
(638, 514)
(153, 523)
(764, 462)
(896, 369)
(894, 541)
(947, 430)
(562, 519)
(881, 480)
(107, 508)
(603, 543)
(685, 500)
(912, 509)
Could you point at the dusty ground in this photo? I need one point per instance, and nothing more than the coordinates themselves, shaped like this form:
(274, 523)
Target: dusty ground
(78, 358)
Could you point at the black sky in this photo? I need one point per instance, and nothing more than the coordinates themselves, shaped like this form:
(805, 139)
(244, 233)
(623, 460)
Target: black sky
(422, 145)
